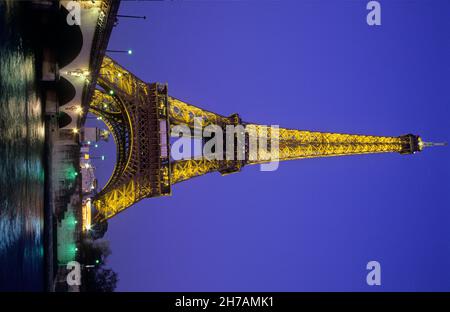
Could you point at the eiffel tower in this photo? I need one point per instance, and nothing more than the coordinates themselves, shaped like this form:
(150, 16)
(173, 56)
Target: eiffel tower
(141, 117)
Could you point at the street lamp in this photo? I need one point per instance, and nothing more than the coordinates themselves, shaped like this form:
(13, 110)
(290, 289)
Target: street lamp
(116, 22)
(131, 16)
(97, 157)
(129, 51)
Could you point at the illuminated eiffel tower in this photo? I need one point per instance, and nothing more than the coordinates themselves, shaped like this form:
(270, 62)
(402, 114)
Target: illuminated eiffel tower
(140, 117)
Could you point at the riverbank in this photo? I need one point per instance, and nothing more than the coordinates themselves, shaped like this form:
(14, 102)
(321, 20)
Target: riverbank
(61, 147)
(61, 221)
(62, 213)
(48, 70)
(71, 59)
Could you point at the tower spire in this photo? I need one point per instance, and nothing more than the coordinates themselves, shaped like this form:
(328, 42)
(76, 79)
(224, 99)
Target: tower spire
(423, 144)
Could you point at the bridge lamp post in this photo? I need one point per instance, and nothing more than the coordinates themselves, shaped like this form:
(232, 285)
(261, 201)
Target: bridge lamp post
(131, 16)
(116, 22)
(97, 157)
(129, 51)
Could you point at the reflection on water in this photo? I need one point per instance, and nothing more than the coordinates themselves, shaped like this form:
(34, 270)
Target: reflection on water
(21, 160)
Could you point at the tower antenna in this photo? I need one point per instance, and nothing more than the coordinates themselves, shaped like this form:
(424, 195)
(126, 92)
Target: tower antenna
(431, 144)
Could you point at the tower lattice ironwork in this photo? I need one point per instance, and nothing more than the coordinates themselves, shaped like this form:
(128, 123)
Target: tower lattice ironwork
(140, 117)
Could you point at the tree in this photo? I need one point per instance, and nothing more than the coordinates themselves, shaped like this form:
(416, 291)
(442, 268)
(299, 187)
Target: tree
(94, 251)
(98, 230)
(96, 277)
(99, 279)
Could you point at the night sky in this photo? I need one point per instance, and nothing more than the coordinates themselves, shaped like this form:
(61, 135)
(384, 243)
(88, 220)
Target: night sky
(313, 224)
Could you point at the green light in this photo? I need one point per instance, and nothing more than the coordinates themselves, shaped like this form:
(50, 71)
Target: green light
(111, 92)
(75, 222)
(70, 219)
(71, 173)
(97, 261)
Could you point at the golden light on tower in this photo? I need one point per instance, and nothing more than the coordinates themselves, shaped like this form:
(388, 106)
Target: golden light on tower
(140, 117)
(86, 215)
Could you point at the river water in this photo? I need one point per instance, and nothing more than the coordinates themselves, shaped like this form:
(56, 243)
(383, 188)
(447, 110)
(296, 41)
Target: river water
(21, 158)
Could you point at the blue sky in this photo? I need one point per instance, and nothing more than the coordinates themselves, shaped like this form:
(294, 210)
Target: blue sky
(313, 224)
